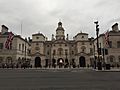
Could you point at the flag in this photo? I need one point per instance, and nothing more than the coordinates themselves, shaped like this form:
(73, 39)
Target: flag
(107, 38)
(8, 42)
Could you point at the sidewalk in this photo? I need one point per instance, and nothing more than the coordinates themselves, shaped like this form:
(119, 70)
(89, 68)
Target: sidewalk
(49, 69)
(62, 69)
(111, 70)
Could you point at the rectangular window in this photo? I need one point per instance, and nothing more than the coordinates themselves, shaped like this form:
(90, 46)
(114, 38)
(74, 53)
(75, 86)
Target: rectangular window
(22, 47)
(47, 52)
(54, 52)
(72, 52)
(91, 50)
(37, 43)
(118, 44)
(66, 51)
(110, 44)
(65, 44)
(1, 45)
(19, 47)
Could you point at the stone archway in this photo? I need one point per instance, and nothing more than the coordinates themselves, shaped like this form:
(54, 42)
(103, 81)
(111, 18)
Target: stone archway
(82, 61)
(37, 62)
(60, 62)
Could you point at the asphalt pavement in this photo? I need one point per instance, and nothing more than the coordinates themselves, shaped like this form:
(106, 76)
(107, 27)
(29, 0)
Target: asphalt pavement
(58, 79)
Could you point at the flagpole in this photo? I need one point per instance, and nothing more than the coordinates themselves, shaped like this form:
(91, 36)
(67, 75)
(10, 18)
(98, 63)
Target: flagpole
(106, 46)
(21, 28)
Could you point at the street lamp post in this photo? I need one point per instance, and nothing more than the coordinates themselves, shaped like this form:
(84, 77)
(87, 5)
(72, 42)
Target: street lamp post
(94, 57)
(25, 53)
(99, 65)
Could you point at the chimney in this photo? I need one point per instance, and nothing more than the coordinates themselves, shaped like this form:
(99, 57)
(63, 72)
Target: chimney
(4, 29)
(115, 27)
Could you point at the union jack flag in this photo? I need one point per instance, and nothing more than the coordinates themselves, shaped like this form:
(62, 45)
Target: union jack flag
(8, 42)
(107, 38)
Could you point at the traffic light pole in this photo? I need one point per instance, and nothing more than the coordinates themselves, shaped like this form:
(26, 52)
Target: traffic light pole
(99, 64)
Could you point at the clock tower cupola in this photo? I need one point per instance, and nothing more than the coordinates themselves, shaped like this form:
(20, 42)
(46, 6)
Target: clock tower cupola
(60, 32)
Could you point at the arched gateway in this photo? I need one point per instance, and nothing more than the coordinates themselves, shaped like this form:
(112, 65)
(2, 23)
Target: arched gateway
(60, 62)
(37, 62)
(82, 61)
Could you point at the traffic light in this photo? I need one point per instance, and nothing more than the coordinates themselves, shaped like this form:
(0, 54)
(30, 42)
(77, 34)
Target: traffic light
(97, 26)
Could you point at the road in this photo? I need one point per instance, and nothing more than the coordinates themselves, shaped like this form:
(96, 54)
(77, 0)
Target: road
(36, 79)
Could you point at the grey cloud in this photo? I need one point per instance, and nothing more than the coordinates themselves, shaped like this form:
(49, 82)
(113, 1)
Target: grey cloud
(43, 15)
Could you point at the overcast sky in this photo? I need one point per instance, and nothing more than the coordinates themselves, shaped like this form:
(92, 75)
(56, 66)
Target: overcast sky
(43, 15)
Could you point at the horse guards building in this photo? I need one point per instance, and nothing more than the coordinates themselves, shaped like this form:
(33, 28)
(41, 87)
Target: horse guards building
(59, 52)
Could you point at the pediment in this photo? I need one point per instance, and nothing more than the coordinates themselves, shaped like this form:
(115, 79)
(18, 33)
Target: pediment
(60, 41)
(38, 54)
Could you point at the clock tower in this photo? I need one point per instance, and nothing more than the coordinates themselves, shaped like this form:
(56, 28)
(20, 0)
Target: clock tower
(60, 32)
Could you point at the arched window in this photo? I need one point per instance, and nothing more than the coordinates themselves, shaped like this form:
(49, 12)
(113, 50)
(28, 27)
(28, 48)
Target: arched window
(19, 60)
(9, 60)
(112, 59)
(83, 48)
(60, 51)
(54, 52)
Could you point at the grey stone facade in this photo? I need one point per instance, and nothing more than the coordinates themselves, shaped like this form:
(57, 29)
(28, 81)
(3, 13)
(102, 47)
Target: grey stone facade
(19, 52)
(112, 51)
(60, 50)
